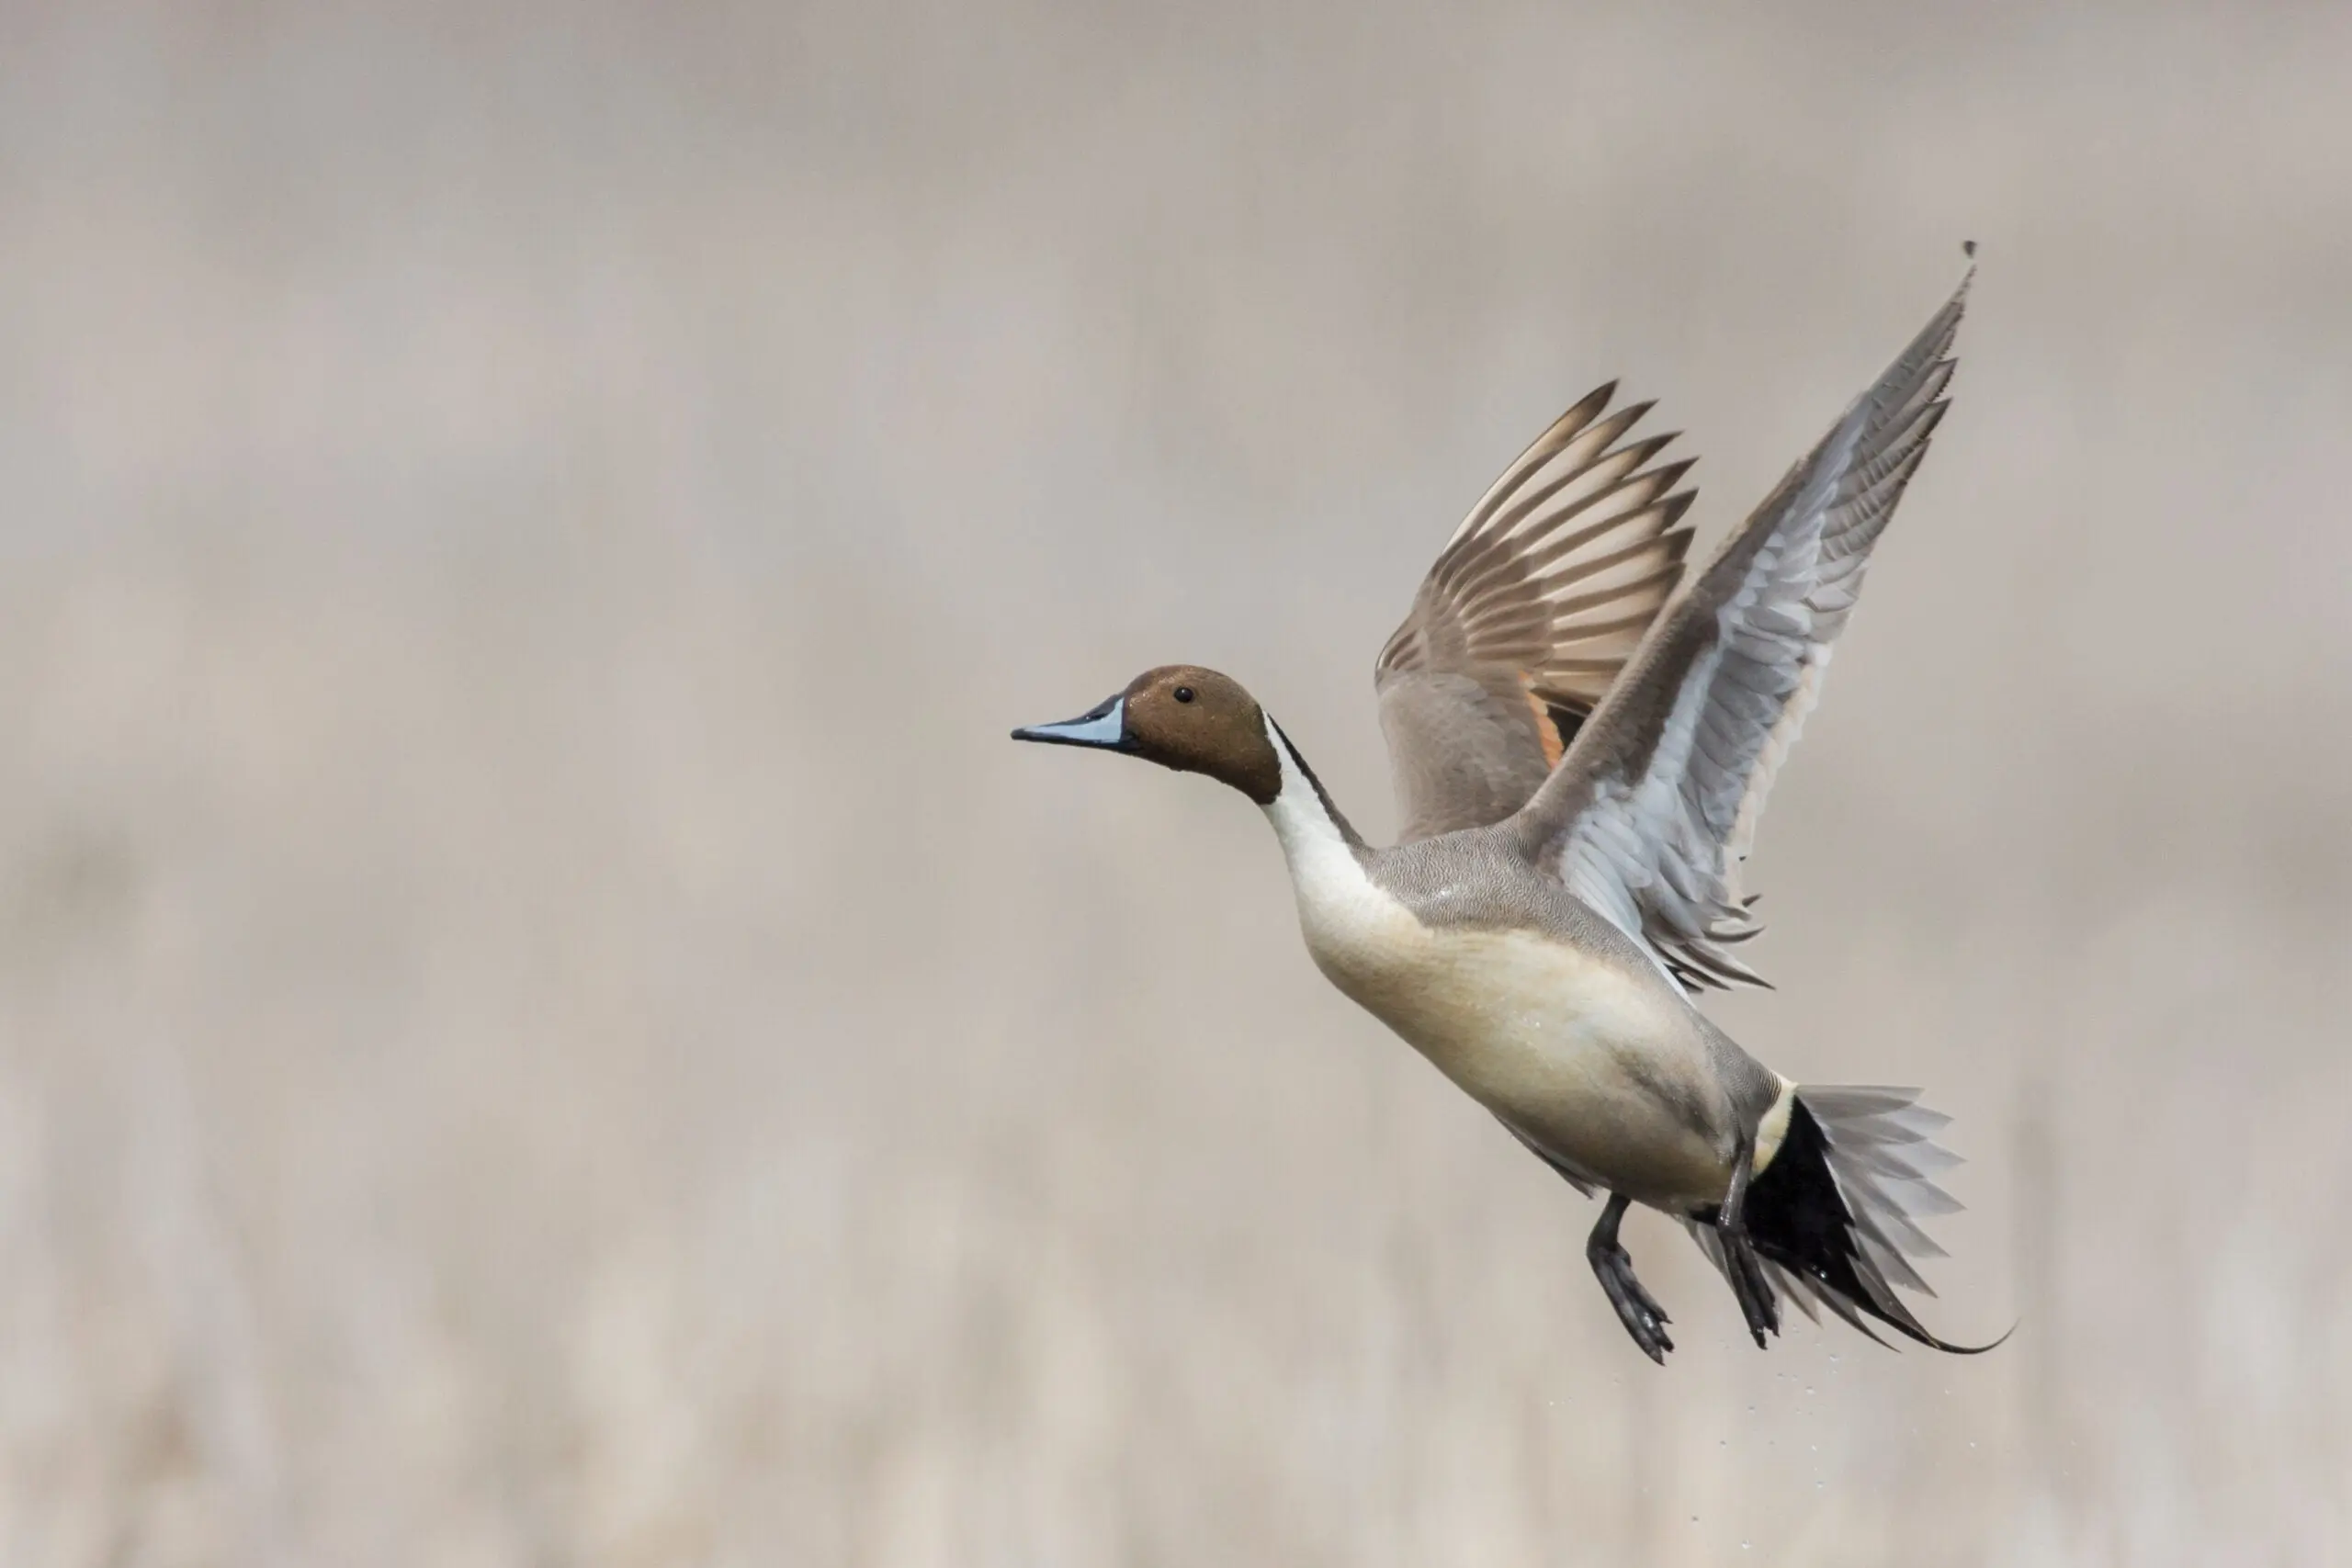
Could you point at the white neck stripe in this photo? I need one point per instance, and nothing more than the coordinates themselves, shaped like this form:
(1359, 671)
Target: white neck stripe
(1301, 820)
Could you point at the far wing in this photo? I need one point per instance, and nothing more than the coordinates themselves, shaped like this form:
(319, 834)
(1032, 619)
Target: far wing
(1537, 601)
(1650, 814)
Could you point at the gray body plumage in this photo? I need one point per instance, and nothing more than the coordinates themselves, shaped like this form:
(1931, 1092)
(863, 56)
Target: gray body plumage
(1480, 879)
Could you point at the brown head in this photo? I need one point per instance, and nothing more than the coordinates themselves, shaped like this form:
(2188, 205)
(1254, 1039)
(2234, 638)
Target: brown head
(1184, 717)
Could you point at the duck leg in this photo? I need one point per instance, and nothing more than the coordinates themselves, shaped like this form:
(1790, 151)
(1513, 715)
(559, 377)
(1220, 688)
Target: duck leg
(1642, 1317)
(1749, 1283)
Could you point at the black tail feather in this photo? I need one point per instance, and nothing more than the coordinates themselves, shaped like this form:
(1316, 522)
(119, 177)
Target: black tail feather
(1805, 1220)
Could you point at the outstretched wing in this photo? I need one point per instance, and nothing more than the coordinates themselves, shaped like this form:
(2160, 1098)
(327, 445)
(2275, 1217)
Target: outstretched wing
(1652, 811)
(1532, 607)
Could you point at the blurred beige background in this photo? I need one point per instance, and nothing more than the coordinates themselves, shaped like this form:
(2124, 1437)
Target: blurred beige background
(541, 1020)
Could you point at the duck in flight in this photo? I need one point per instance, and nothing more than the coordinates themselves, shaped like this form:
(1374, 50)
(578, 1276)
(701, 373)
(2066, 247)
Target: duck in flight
(1580, 754)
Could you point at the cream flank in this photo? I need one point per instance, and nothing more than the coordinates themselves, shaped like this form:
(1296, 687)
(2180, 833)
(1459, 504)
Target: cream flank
(1563, 1046)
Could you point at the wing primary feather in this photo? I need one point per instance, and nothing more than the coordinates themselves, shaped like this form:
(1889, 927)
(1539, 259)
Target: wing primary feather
(1531, 610)
(1603, 469)
(1557, 435)
(1652, 809)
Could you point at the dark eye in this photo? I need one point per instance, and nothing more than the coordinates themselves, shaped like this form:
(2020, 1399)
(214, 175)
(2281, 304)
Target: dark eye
(1183, 694)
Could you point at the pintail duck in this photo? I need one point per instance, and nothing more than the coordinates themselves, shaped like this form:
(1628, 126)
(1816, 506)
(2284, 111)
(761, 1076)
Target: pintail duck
(1581, 756)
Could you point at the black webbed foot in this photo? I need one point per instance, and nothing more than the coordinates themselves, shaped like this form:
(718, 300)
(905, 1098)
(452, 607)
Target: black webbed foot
(1750, 1286)
(1642, 1317)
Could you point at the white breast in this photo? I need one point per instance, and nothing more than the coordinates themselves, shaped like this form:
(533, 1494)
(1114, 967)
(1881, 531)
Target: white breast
(1564, 1045)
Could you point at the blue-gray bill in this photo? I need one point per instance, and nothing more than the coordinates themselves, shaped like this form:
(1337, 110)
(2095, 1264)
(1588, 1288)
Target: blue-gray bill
(1104, 725)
